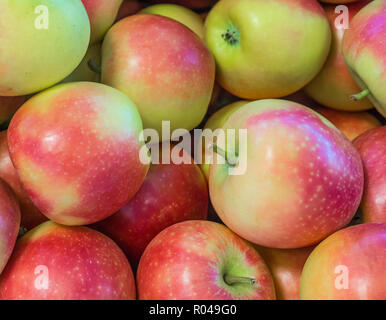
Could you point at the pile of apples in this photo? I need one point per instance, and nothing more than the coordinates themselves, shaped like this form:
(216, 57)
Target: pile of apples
(82, 216)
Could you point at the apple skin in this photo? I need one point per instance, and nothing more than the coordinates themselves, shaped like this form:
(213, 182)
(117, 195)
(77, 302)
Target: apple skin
(128, 8)
(372, 148)
(274, 57)
(352, 124)
(334, 85)
(52, 54)
(361, 249)
(102, 14)
(286, 266)
(338, 1)
(364, 51)
(193, 4)
(181, 14)
(30, 215)
(8, 107)
(303, 181)
(76, 149)
(171, 193)
(216, 121)
(81, 264)
(167, 80)
(188, 261)
(10, 223)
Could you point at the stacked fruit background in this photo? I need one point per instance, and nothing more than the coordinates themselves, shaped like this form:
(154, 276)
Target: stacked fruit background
(84, 214)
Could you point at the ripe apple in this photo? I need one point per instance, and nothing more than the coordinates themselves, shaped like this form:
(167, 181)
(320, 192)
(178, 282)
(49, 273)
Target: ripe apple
(372, 148)
(30, 215)
(127, 8)
(216, 121)
(171, 193)
(102, 14)
(83, 72)
(286, 266)
(364, 51)
(54, 262)
(45, 48)
(334, 85)
(193, 4)
(303, 181)
(162, 66)
(267, 49)
(202, 260)
(8, 107)
(348, 265)
(352, 124)
(181, 14)
(76, 149)
(9, 223)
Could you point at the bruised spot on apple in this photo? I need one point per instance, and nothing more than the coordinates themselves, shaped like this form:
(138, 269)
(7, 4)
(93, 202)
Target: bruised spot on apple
(202, 260)
(304, 179)
(76, 148)
(55, 262)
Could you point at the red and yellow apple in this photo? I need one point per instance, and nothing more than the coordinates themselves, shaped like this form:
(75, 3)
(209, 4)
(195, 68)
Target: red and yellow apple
(348, 265)
(54, 262)
(76, 148)
(267, 49)
(202, 260)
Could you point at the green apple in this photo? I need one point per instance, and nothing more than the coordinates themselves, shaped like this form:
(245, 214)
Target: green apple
(42, 42)
(364, 52)
(181, 14)
(267, 49)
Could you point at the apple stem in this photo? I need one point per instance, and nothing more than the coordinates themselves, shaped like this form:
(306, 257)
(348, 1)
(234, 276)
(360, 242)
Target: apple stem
(231, 280)
(230, 160)
(94, 66)
(360, 95)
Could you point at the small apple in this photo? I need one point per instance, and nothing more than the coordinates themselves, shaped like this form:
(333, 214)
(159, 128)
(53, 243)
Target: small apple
(181, 14)
(30, 215)
(286, 266)
(42, 42)
(76, 148)
(163, 67)
(171, 193)
(54, 262)
(102, 14)
(303, 178)
(334, 85)
(372, 148)
(352, 124)
(128, 8)
(193, 4)
(267, 49)
(8, 107)
(202, 260)
(9, 223)
(364, 52)
(348, 265)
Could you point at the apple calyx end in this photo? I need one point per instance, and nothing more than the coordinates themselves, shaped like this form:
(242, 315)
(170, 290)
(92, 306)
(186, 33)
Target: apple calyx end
(232, 37)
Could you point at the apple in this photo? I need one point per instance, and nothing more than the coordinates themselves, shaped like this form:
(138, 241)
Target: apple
(163, 67)
(348, 265)
(76, 148)
(372, 148)
(202, 260)
(171, 193)
(30, 215)
(352, 124)
(10, 223)
(102, 14)
(128, 8)
(8, 107)
(364, 53)
(42, 42)
(267, 49)
(216, 121)
(193, 4)
(54, 262)
(303, 178)
(338, 1)
(286, 266)
(334, 85)
(83, 72)
(181, 14)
